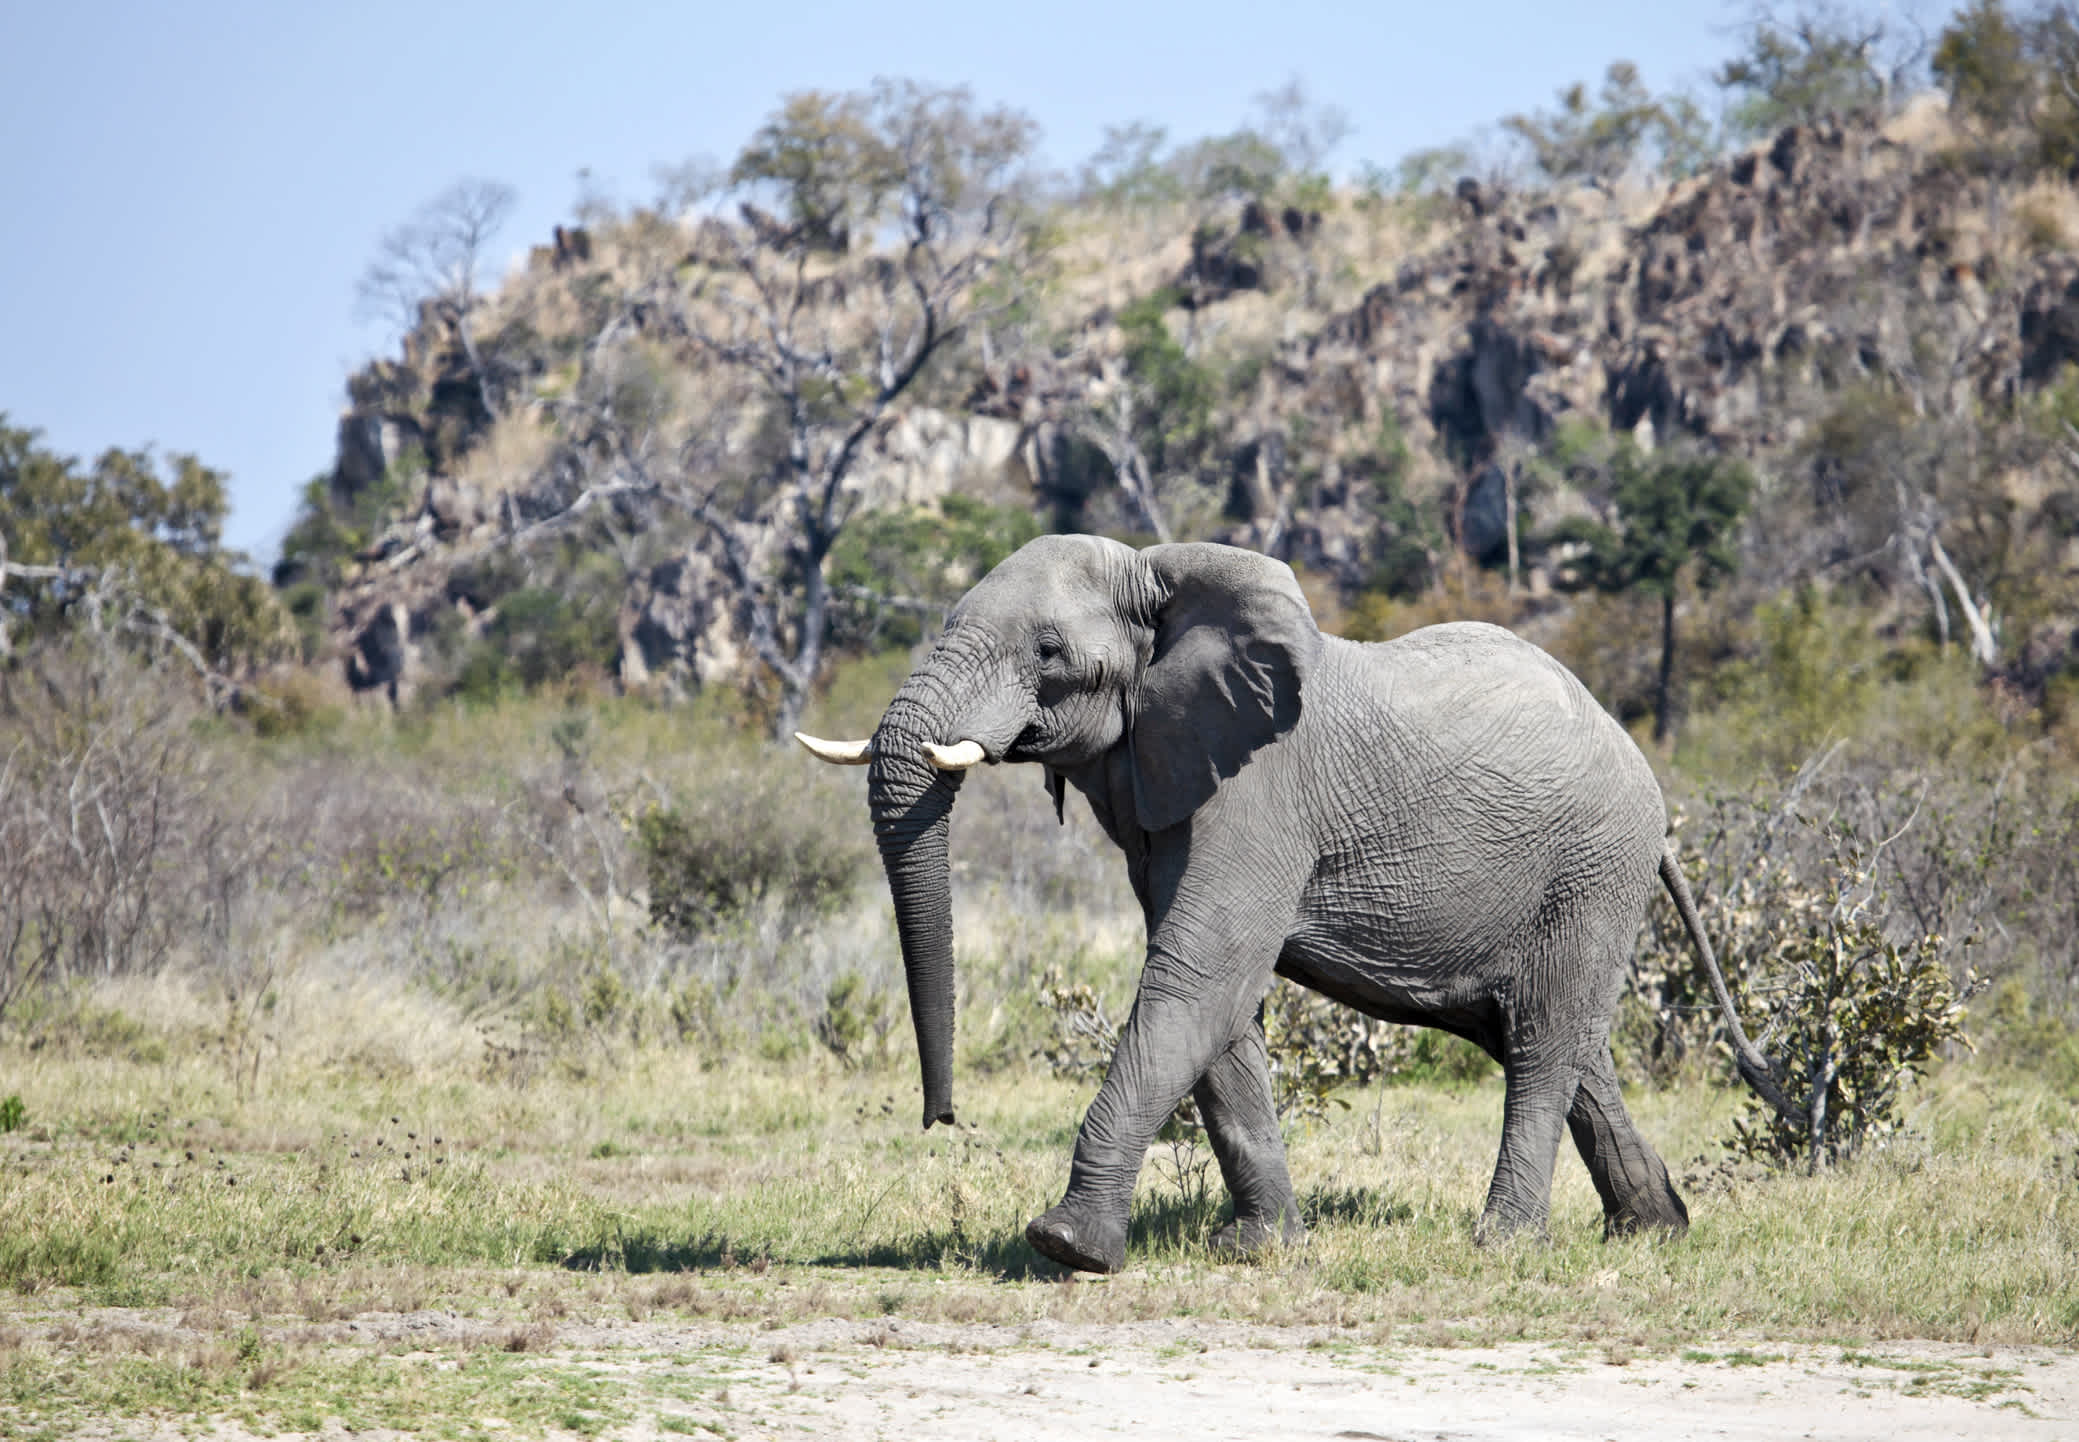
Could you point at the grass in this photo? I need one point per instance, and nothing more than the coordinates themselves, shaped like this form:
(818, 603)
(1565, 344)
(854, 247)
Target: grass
(154, 1183)
(244, 1239)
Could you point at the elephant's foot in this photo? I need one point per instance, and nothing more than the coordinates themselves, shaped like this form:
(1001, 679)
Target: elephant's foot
(1496, 1227)
(1074, 1241)
(1246, 1238)
(1661, 1215)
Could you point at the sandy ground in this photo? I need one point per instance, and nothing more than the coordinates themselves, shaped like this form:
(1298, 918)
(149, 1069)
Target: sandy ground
(902, 1379)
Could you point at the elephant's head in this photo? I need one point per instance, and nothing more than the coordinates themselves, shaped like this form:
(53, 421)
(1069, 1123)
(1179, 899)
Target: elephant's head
(1183, 659)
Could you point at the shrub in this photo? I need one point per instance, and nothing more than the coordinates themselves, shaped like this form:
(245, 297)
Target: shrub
(1857, 1014)
(856, 1020)
(896, 572)
(1316, 1048)
(536, 637)
(1849, 999)
(737, 846)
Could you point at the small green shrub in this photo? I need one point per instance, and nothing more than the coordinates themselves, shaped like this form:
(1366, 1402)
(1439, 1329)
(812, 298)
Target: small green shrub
(2019, 1032)
(12, 1113)
(713, 860)
(895, 573)
(855, 1019)
(1316, 1048)
(1848, 1000)
(1857, 1015)
(538, 636)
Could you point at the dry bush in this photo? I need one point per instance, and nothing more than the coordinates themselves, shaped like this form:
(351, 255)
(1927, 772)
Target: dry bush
(124, 841)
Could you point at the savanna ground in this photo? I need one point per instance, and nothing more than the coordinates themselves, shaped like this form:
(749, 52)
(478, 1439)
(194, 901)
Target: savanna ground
(424, 1119)
(749, 1248)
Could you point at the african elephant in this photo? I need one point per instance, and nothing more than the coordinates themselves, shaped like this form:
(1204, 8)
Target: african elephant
(1445, 830)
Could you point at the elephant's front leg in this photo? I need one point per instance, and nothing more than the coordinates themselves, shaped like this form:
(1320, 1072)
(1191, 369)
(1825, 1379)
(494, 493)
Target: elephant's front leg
(1241, 1116)
(1166, 1046)
(1209, 964)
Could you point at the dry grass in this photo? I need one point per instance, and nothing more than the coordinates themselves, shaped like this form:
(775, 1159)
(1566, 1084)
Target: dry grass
(398, 1248)
(509, 455)
(748, 1190)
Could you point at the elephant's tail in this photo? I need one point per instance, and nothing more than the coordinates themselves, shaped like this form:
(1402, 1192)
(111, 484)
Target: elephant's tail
(1753, 1067)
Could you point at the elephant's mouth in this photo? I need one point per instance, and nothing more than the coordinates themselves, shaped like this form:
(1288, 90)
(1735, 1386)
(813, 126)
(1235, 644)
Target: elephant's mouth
(1027, 745)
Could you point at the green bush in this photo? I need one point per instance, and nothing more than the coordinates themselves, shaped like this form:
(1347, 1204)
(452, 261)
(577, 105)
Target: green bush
(895, 573)
(1848, 999)
(1316, 1048)
(538, 636)
(737, 848)
(855, 1020)
(1857, 1015)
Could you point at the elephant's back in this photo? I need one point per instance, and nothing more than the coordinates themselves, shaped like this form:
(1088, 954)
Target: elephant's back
(1488, 717)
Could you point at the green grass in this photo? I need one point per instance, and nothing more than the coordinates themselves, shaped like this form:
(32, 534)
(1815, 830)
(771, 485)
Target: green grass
(245, 1233)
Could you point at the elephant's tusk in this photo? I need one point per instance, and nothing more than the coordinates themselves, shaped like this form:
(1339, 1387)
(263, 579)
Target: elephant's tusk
(957, 757)
(837, 753)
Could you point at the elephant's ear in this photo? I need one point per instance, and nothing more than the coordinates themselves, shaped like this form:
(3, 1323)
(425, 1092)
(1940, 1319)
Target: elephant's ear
(1234, 645)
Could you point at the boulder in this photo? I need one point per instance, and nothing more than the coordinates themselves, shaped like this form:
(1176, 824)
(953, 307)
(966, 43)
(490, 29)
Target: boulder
(370, 443)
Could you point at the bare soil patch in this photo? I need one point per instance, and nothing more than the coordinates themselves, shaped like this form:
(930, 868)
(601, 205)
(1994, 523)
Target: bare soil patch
(902, 1378)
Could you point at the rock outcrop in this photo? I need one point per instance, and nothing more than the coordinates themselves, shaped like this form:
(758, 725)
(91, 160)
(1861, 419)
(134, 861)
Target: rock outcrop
(1825, 250)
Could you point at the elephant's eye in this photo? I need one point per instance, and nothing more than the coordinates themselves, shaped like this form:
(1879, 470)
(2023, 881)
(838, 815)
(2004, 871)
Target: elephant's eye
(1048, 648)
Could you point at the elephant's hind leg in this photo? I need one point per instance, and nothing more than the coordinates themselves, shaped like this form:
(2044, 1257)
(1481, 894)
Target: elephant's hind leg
(1539, 1084)
(1234, 1098)
(1629, 1175)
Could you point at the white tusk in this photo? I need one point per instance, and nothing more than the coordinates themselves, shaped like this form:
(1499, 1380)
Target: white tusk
(837, 753)
(957, 757)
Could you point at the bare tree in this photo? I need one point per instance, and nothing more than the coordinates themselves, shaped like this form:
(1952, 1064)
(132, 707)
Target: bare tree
(802, 348)
(435, 259)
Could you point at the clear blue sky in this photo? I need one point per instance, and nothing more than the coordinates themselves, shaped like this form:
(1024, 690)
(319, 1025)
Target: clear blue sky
(191, 188)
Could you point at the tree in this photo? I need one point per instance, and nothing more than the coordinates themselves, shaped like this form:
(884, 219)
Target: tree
(128, 547)
(1594, 140)
(2014, 81)
(1820, 60)
(1674, 512)
(1303, 132)
(1156, 424)
(1981, 59)
(798, 354)
(823, 156)
(435, 260)
(1127, 170)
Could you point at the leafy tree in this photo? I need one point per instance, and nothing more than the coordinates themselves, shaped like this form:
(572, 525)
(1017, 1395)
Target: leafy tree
(1154, 420)
(2014, 80)
(2054, 47)
(1226, 170)
(128, 545)
(1982, 60)
(829, 164)
(1127, 170)
(1820, 60)
(1674, 513)
(1598, 138)
(1304, 133)
(893, 571)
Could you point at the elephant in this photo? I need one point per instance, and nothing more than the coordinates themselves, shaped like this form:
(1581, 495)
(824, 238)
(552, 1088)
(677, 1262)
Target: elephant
(1444, 830)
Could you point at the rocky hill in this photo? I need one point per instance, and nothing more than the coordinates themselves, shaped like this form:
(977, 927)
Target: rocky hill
(1388, 390)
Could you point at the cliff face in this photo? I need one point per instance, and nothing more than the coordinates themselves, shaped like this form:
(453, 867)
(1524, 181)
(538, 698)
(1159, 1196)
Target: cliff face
(1390, 376)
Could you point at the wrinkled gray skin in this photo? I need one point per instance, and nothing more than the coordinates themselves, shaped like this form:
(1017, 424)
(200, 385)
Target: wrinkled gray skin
(1444, 830)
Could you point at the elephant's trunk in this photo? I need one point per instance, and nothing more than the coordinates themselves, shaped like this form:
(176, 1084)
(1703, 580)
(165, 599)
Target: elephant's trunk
(911, 802)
